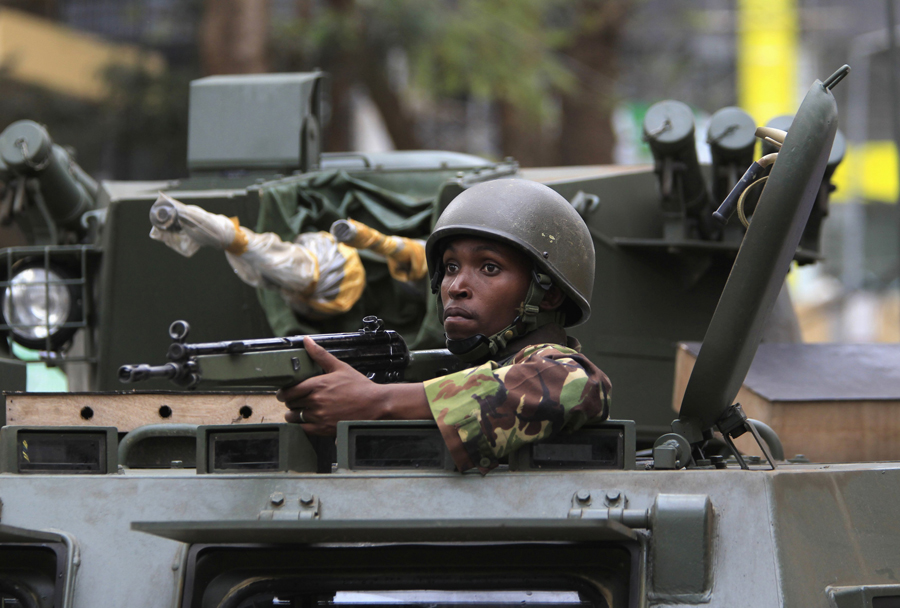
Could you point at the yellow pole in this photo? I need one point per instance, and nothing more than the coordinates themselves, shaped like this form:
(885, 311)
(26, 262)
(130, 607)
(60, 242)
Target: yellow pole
(767, 33)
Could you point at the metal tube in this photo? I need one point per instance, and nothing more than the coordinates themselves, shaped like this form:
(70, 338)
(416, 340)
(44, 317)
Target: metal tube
(153, 430)
(770, 437)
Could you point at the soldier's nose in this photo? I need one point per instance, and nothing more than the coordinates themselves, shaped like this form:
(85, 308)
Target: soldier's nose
(458, 292)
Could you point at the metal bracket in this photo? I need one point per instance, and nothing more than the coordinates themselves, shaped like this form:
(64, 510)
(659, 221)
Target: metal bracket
(96, 215)
(671, 451)
(282, 509)
(613, 509)
(732, 424)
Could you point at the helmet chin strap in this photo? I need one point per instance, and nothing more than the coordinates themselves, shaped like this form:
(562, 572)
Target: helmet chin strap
(480, 347)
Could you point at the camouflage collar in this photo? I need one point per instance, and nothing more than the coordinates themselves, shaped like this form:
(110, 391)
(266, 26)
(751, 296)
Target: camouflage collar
(552, 333)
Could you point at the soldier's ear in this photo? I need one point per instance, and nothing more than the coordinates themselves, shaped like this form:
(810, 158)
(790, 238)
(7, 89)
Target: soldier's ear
(553, 299)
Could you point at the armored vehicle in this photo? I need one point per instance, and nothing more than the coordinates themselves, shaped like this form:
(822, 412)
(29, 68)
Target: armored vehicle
(258, 519)
(76, 246)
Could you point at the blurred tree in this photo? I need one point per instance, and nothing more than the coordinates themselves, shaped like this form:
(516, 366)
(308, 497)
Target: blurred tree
(351, 40)
(233, 36)
(503, 51)
(586, 130)
(546, 65)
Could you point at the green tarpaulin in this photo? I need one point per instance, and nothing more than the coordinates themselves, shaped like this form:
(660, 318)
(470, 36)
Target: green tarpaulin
(313, 203)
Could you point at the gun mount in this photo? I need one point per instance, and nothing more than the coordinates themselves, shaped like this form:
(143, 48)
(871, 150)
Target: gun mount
(61, 189)
(669, 130)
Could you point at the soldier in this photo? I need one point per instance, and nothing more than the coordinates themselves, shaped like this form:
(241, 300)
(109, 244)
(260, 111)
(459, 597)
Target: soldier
(512, 263)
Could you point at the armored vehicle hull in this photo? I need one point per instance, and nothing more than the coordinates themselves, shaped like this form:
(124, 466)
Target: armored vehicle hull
(803, 535)
(255, 515)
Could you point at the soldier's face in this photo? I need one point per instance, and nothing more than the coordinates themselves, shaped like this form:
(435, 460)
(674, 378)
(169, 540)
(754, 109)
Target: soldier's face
(484, 283)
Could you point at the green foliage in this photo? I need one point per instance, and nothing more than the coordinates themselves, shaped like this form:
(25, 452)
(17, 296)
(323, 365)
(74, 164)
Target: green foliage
(502, 50)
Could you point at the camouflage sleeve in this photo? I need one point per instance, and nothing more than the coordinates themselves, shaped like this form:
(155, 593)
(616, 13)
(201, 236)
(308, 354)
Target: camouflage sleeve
(487, 412)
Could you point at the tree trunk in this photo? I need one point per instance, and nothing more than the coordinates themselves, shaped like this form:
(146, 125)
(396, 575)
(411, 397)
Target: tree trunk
(399, 121)
(586, 132)
(234, 36)
(524, 138)
(338, 59)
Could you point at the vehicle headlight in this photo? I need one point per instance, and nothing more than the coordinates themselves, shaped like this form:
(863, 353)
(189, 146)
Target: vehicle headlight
(37, 305)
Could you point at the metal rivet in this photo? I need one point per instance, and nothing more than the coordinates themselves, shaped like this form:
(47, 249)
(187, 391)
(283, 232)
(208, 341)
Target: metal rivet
(583, 496)
(307, 499)
(277, 499)
(546, 254)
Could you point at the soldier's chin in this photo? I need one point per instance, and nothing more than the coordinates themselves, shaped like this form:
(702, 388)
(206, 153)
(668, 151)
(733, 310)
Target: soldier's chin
(460, 328)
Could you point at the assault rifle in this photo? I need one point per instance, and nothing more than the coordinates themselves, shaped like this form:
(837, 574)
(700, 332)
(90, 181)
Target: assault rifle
(277, 362)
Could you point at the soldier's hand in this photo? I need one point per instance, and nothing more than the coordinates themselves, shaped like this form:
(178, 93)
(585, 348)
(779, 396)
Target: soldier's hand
(341, 393)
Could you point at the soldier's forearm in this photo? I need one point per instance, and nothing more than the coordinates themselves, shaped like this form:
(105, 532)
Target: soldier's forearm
(405, 402)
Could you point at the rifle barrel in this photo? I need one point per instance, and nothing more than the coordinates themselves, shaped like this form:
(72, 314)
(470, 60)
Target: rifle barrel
(363, 340)
(142, 371)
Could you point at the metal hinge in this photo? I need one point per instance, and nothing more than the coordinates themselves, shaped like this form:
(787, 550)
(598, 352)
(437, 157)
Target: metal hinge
(610, 506)
(304, 506)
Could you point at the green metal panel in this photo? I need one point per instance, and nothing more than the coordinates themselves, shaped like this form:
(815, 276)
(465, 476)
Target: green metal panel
(142, 281)
(251, 121)
(681, 547)
(836, 529)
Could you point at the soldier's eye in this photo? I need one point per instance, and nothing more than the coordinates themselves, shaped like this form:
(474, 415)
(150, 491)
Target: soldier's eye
(491, 268)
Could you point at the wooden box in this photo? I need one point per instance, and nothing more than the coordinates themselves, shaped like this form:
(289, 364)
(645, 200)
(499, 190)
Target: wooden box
(830, 402)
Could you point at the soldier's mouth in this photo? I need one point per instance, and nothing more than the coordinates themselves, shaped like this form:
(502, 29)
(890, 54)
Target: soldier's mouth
(456, 311)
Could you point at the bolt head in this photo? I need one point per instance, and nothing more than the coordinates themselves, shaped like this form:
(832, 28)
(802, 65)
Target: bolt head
(583, 496)
(613, 496)
(307, 499)
(277, 499)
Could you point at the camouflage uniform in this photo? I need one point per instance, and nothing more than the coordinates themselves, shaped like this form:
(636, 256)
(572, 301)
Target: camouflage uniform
(486, 412)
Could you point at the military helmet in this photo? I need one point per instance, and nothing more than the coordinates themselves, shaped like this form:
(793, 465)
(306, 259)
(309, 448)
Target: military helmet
(534, 219)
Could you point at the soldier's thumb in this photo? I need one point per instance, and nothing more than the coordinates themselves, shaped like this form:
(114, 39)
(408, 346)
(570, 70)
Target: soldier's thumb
(328, 362)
